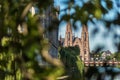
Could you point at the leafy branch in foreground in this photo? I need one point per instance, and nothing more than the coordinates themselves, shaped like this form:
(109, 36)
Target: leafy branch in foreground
(21, 37)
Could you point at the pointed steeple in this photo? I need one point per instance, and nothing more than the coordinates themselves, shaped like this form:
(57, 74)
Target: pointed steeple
(84, 29)
(68, 35)
(85, 43)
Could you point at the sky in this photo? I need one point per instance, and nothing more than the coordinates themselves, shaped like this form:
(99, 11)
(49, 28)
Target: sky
(98, 39)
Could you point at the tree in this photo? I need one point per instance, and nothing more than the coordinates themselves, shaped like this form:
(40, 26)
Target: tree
(109, 58)
(117, 56)
(73, 64)
(21, 41)
(22, 45)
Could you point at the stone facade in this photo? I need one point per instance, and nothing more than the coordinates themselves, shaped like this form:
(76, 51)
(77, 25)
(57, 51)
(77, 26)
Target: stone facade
(82, 43)
(68, 36)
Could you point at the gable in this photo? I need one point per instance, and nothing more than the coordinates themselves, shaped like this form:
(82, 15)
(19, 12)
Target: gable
(77, 41)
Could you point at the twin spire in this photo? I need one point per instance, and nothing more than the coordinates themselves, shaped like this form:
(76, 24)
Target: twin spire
(82, 43)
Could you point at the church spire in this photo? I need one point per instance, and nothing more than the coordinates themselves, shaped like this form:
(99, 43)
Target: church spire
(82, 43)
(85, 43)
(68, 35)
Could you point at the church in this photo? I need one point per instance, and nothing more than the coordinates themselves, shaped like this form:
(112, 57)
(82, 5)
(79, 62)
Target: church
(82, 43)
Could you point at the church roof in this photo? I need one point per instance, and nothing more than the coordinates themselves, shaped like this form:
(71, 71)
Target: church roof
(76, 38)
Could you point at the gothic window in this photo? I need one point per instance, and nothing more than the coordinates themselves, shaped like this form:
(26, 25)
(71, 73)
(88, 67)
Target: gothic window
(69, 43)
(68, 35)
(84, 52)
(80, 57)
(85, 36)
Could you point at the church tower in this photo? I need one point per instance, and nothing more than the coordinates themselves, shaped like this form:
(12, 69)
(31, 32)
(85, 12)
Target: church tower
(68, 36)
(82, 43)
(84, 53)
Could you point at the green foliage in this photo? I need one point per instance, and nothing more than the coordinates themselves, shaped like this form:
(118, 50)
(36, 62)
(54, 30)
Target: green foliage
(21, 42)
(117, 56)
(80, 65)
(109, 58)
(4, 41)
(21, 39)
(91, 11)
(73, 64)
(8, 67)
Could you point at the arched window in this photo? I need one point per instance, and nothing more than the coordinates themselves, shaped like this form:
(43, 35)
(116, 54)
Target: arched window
(68, 35)
(80, 57)
(85, 36)
(85, 52)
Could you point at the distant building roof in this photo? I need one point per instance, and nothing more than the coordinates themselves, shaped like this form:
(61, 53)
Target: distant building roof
(107, 52)
(76, 38)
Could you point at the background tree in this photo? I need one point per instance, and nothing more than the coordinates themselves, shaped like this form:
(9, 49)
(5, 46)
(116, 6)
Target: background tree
(73, 64)
(109, 58)
(117, 56)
